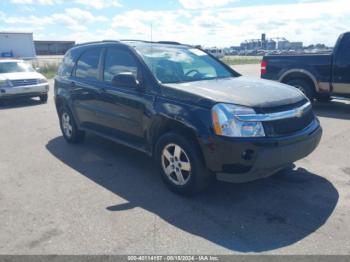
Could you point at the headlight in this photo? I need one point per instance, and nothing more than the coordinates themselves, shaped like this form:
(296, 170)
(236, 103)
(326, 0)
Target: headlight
(227, 124)
(42, 81)
(5, 83)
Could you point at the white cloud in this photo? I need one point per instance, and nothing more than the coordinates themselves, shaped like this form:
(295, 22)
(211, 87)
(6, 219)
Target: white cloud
(99, 4)
(39, 2)
(74, 19)
(311, 22)
(199, 4)
(81, 15)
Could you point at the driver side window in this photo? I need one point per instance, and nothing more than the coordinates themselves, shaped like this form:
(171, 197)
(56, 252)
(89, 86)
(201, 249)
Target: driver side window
(118, 62)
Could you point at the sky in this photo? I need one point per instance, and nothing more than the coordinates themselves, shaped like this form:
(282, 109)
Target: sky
(206, 22)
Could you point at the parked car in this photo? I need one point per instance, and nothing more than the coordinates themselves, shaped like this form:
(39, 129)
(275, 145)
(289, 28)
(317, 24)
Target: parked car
(19, 79)
(195, 115)
(317, 75)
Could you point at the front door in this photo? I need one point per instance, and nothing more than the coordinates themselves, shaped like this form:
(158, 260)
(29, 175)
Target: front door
(123, 108)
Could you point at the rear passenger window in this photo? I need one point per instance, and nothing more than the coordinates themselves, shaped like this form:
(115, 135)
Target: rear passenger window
(87, 65)
(117, 62)
(66, 67)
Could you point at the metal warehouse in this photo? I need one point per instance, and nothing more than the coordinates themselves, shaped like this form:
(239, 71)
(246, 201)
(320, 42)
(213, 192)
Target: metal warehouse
(52, 47)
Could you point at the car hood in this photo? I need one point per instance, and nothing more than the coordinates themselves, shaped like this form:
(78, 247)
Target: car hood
(242, 90)
(21, 75)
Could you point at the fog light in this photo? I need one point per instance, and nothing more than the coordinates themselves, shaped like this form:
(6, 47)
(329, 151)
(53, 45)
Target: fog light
(248, 154)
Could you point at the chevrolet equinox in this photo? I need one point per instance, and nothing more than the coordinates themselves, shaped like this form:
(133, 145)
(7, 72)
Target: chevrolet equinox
(193, 114)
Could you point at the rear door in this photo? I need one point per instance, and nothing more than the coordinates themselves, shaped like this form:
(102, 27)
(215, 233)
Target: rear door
(341, 67)
(85, 91)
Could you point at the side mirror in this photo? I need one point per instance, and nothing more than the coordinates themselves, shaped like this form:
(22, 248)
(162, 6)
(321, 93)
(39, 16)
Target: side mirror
(125, 80)
(37, 69)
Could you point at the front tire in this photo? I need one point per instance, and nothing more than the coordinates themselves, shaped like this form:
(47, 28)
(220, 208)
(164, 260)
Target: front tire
(69, 128)
(181, 164)
(304, 87)
(324, 98)
(43, 98)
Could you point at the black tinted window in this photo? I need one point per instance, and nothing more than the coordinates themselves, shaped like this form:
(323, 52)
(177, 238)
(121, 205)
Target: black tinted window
(344, 49)
(65, 68)
(117, 62)
(87, 66)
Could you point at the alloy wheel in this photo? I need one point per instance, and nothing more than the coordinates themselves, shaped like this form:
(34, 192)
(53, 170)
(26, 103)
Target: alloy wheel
(176, 164)
(66, 125)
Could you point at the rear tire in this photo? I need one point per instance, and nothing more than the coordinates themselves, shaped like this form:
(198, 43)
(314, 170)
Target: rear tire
(69, 128)
(43, 98)
(181, 165)
(304, 87)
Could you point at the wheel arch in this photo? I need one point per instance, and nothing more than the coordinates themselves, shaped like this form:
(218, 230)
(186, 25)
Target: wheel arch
(162, 125)
(303, 74)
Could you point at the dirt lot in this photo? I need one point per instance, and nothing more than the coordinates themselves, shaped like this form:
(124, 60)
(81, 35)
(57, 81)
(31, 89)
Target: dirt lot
(102, 198)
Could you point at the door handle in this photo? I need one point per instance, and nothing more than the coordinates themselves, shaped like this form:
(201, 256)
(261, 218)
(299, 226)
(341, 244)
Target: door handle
(72, 84)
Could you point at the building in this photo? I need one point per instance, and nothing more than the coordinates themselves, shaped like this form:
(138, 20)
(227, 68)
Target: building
(271, 45)
(17, 45)
(279, 43)
(283, 44)
(52, 47)
(296, 45)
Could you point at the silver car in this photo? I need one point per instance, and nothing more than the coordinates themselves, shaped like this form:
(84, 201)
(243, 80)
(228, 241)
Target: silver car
(19, 79)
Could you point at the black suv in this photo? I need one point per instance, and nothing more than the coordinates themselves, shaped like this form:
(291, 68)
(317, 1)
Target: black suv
(195, 115)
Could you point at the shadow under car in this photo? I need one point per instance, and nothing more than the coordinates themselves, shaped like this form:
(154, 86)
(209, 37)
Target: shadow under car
(253, 217)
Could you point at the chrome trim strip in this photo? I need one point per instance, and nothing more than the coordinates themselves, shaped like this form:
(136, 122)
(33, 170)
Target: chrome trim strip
(297, 112)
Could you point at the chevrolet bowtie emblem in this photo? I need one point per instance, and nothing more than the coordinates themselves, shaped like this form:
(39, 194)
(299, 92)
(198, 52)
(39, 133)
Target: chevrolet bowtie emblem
(299, 113)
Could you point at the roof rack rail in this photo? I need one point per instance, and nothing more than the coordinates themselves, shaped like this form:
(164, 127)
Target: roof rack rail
(169, 42)
(96, 42)
(134, 40)
(154, 42)
(87, 43)
(129, 40)
(107, 40)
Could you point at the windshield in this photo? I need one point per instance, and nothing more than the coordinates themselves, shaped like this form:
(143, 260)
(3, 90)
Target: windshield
(178, 64)
(14, 67)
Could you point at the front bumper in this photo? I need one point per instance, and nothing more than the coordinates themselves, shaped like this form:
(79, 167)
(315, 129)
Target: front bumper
(247, 159)
(24, 91)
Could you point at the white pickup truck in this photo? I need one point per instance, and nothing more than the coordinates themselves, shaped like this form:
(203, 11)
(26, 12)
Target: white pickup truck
(19, 79)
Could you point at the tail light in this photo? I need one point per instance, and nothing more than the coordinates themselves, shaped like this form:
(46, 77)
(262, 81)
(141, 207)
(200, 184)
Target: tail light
(263, 67)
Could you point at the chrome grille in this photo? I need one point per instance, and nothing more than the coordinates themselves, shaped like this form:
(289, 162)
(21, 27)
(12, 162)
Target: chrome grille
(24, 82)
(288, 125)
